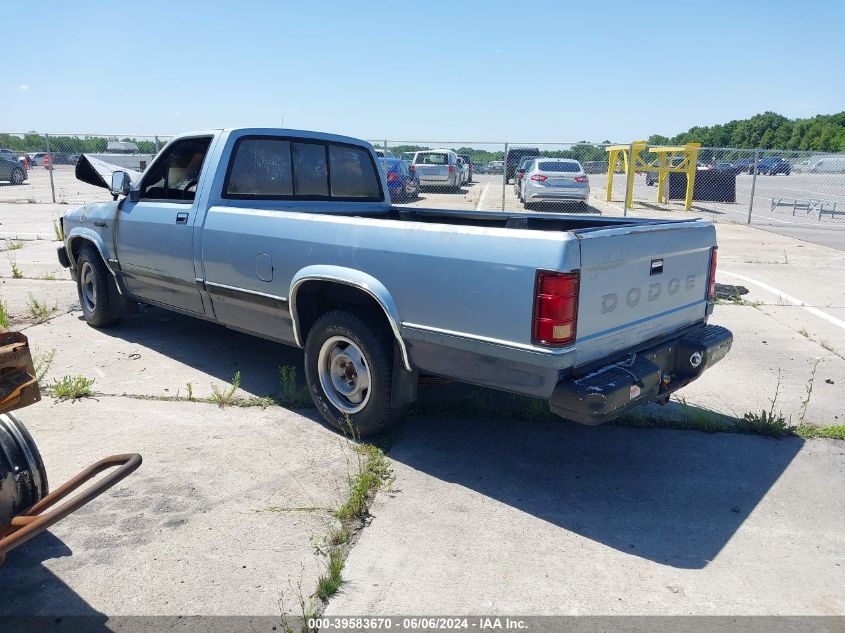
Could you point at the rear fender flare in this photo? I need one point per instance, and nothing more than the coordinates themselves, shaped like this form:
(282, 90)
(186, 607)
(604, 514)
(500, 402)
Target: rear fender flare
(357, 279)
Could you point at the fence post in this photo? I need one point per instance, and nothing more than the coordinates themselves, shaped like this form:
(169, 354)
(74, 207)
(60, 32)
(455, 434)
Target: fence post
(158, 147)
(504, 176)
(753, 183)
(629, 180)
(50, 156)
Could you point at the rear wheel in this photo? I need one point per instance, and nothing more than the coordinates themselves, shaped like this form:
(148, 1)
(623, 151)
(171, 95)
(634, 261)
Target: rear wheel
(17, 176)
(349, 369)
(92, 286)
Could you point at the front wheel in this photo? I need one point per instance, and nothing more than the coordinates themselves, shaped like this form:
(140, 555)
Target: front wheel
(349, 369)
(92, 286)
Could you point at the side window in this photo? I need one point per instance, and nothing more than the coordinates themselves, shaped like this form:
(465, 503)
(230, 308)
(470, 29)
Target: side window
(310, 172)
(261, 167)
(175, 176)
(352, 173)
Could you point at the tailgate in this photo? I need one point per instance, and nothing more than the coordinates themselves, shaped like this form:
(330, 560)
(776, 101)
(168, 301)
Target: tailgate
(640, 282)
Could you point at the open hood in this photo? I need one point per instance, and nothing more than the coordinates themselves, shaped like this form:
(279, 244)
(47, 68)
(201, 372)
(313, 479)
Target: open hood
(98, 172)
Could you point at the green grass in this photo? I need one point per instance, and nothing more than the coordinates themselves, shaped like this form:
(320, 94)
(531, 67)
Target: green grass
(42, 363)
(16, 272)
(13, 245)
(226, 397)
(833, 432)
(71, 388)
(4, 314)
(329, 583)
(373, 470)
(38, 310)
(289, 395)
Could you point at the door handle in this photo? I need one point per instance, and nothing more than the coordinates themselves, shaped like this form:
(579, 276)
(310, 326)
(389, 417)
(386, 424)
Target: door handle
(181, 218)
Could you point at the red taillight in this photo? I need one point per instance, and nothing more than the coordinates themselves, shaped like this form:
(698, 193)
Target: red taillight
(555, 308)
(581, 179)
(392, 177)
(411, 168)
(539, 178)
(711, 285)
(451, 169)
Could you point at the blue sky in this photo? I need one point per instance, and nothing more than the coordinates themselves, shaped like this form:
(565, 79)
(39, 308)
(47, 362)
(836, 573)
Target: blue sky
(418, 69)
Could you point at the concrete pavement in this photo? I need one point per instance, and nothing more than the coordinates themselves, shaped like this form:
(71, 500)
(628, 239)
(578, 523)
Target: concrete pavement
(514, 517)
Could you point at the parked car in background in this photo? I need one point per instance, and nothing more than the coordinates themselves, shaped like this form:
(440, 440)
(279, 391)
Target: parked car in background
(384, 153)
(437, 168)
(496, 167)
(595, 167)
(61, 158)
(12, 170)
(468, 162)
(36, 159)
(728, 168)
(743, 165)
(9, 154)
(772, 166)
(827, 165)
(520, 174)
(408, 157)
(402, 183)
(514, 157)
(555, 180)
(651, 176)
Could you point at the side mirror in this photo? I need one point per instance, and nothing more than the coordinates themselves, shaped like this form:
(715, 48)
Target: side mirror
(120, 183)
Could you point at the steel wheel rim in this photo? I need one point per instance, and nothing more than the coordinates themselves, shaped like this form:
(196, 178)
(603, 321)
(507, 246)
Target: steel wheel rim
(344, 374)
(86, 284)
(17, 177)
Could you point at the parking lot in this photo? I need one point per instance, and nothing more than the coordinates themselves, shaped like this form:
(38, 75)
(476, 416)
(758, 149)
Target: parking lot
(484, 512)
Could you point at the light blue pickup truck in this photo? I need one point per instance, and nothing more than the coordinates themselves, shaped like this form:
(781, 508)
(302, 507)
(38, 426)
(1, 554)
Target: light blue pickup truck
(291, 236)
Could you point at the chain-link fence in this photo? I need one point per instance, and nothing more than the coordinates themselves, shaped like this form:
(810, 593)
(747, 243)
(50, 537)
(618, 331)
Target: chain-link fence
(38, 167)
(730, 185)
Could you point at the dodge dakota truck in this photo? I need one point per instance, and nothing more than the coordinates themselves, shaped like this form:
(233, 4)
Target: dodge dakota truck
(291, 236)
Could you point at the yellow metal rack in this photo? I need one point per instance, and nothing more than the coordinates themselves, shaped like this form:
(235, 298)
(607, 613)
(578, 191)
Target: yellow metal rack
(631, 159)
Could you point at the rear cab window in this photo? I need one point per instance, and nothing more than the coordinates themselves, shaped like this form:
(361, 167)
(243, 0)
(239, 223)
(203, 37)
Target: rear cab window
(282, 168)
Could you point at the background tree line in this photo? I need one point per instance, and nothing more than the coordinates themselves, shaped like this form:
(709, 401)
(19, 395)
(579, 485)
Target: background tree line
(34, 142)
(821, 133)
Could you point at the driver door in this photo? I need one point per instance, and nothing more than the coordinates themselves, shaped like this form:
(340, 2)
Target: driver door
(155, 233)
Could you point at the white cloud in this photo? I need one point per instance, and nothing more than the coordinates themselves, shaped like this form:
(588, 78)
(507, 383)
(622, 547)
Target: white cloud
(23, 87)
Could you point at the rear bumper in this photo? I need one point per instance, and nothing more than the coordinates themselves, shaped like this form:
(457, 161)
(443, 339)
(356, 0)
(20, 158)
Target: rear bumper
(648, 376)
(561, 194)
(437, 180)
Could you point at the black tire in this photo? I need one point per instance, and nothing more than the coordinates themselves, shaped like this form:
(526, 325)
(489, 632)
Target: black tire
(92, 285)
(378, 413)
(17, 176)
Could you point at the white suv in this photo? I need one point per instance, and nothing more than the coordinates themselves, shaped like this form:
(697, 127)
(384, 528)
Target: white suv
(437, 168)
